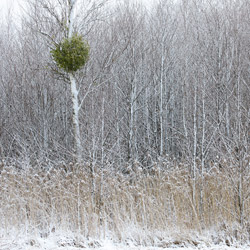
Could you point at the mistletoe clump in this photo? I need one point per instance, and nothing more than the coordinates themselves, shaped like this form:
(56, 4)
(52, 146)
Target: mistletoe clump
(71, 54)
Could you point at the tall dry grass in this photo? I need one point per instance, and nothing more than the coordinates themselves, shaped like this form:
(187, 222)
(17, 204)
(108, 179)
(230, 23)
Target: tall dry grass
(137, 205)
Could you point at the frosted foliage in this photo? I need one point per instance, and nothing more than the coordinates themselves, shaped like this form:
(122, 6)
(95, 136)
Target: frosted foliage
(152, 208)
(141, 141)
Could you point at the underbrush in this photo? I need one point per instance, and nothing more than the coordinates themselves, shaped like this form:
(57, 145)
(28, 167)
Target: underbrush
(159, 206)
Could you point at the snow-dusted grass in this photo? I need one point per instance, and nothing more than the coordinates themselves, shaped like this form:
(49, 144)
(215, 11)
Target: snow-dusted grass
(62, 242)
(74, 207)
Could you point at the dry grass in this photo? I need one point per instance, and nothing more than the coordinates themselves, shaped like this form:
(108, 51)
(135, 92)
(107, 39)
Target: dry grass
(137, 206)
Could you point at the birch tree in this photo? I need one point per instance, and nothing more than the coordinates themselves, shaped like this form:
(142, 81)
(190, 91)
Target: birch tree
(176, 82)
(70, 56)
(59, 22)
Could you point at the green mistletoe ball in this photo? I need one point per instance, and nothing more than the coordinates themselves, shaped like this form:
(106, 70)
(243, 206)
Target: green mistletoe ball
(71, 54)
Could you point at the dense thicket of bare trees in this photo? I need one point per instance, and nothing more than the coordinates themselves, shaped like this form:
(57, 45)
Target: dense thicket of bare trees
(169, 82)
(163, 114)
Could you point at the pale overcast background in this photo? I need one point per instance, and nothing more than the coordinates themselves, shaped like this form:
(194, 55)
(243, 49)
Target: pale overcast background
(6, 5)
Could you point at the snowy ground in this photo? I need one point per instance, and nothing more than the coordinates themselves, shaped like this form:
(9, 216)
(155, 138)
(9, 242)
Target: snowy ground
(66, 243)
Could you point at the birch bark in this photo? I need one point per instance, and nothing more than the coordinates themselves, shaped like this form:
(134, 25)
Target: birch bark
(195, 142)
(75, 118)
(161, 97)
(74, 91)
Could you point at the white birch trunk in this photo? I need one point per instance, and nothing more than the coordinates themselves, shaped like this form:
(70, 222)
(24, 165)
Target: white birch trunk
(135, 121)
(133, 117)
(161, 101)
(184, 88)
(202, 153)
(195, 142)
(75, 118)
(74, 91)
(240, 177)
(131, 129)
(117, 122)
(148, 118)
(71, 17)
(45, 121)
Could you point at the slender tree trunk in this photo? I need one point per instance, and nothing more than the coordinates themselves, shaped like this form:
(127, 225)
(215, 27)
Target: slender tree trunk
(118, 124)
(195, 144)
(148, 137)
(74, 91)
(202, 154)
(71, 17)
(132, 122)
(75, 118)
(161, 100)
(45, 122)
(238, 155)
